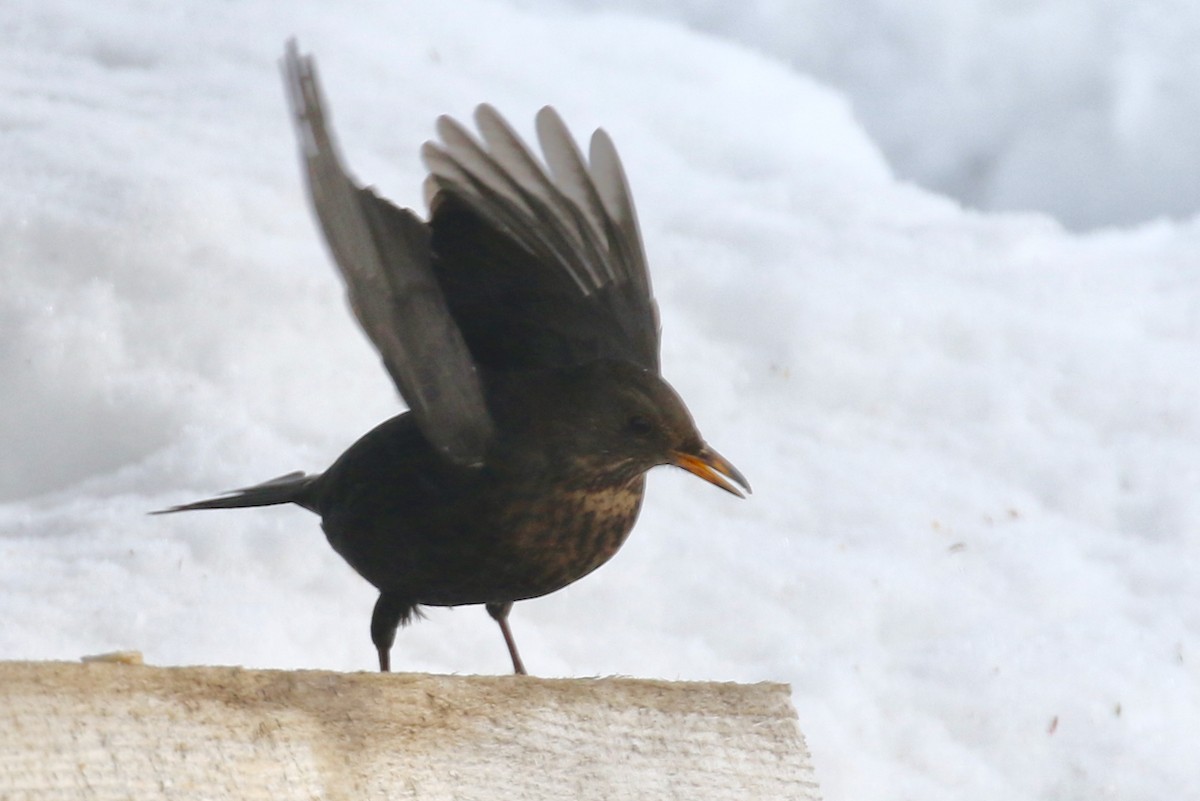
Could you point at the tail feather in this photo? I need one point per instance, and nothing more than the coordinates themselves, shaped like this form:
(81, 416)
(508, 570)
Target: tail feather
(291, 488)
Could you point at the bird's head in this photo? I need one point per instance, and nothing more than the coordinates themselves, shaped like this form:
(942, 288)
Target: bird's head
(617, 418)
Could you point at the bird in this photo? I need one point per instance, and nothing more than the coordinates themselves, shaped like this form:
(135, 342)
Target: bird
(519, 325)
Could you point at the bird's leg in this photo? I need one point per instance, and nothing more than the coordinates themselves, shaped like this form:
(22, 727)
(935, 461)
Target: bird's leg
(499, 613)
(390, 611)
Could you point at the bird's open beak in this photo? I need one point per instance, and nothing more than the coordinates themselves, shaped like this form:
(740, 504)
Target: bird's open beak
(713, 468)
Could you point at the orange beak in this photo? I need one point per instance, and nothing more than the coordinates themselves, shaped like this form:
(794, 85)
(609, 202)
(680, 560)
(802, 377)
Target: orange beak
(713, 468)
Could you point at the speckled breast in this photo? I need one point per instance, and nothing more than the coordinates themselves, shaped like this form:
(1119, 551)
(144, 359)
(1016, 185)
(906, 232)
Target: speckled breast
(550, 541)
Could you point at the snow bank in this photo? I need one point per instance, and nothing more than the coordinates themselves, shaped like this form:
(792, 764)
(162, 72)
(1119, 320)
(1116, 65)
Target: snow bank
(1084, 110)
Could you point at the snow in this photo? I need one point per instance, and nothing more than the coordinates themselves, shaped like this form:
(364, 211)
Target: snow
(973, 436)
(1084, 109)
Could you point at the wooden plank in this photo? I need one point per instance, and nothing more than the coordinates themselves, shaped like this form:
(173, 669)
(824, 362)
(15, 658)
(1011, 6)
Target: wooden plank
(108, 731)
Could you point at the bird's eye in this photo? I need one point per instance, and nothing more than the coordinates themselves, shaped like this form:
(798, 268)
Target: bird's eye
(640, 425)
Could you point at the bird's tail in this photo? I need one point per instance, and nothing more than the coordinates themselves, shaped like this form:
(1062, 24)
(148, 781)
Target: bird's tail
(294, 488)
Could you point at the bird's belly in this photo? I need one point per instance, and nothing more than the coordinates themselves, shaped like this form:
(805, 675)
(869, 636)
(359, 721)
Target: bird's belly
(543, 545)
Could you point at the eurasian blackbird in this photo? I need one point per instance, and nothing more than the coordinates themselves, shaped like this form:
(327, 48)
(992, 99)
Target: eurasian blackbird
(519, 325)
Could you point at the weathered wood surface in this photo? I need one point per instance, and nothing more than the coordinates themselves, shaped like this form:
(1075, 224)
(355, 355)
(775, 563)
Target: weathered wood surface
(111, 731)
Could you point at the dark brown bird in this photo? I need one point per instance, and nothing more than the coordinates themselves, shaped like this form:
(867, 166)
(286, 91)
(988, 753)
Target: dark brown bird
(519, 325)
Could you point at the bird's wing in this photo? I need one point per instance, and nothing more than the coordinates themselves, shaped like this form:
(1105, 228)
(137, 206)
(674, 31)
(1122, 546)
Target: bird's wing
(383, 253)
(542, 264)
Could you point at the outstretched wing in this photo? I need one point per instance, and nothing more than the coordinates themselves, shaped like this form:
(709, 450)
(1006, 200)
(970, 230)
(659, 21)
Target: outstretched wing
(541, 265)
(383, 253)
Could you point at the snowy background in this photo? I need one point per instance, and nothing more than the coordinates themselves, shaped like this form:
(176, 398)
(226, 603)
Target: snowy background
(971, 414)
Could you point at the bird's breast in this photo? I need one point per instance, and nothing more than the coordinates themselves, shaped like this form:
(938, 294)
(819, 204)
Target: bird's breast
(563, 535)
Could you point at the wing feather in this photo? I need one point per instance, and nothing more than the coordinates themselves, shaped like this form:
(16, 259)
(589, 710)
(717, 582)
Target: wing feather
(572, 219)
(571, 174)
(384, 256)
(608, 176)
